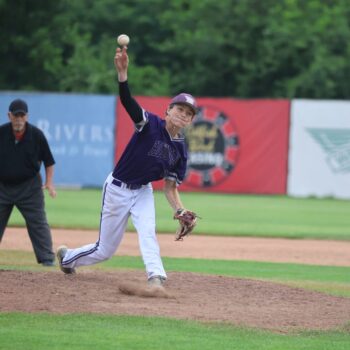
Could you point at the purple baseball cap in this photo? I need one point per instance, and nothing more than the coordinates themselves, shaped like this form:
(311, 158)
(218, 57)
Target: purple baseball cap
(185, 99)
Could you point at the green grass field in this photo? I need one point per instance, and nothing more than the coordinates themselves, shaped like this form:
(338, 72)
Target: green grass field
(81, 332)
(231, 215)
(270, 216)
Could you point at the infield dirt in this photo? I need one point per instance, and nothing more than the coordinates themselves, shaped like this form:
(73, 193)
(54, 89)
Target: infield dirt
(235, 301)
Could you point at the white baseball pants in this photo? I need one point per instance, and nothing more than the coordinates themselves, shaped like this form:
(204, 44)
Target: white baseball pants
(118, 203)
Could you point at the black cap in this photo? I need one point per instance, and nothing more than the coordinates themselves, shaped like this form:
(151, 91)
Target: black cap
(18, 106)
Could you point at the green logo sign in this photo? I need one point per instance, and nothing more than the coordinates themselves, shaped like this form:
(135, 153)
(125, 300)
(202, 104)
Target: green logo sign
(336, 145)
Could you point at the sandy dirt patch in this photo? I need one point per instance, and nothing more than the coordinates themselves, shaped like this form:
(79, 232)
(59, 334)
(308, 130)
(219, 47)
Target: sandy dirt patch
(317, 252)
(197, 297)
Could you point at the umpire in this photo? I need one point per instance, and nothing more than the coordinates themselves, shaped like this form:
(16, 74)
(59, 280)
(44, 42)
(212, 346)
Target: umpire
(23, 148)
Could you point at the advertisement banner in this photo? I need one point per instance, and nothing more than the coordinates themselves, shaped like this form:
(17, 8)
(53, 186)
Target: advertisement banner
(319, 155)
(235, 146)
(80, 132)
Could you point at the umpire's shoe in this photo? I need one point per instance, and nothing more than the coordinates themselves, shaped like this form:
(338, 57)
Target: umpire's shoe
(61, 252)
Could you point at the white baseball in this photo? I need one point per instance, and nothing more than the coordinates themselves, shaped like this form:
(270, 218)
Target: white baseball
(123, 40)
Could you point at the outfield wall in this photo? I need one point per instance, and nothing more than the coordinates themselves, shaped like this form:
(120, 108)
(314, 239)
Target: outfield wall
(300, 148)
(235, 146)
(319, 152)
(79, 129)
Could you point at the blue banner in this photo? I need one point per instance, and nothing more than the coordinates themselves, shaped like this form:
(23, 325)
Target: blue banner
(79, 129)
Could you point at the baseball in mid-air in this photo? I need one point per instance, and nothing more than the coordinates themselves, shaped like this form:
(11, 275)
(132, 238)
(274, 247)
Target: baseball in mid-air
(123, 40)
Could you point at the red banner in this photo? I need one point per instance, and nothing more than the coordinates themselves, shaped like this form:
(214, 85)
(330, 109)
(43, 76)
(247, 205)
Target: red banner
(235, 146)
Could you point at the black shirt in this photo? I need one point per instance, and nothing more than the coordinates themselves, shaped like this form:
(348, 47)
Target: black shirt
(20, 161)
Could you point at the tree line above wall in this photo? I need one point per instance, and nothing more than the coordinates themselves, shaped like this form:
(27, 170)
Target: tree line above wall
(236, 48)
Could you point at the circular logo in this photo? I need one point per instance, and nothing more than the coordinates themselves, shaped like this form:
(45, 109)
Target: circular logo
(213, 148)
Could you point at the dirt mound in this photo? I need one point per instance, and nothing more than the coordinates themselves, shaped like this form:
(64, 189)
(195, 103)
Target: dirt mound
(197, 297)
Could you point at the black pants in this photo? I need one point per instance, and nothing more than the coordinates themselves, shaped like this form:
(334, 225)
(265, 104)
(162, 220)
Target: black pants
(28, 197)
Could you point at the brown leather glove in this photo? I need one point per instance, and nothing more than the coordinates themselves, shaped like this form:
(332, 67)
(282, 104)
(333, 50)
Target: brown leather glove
(187, 221)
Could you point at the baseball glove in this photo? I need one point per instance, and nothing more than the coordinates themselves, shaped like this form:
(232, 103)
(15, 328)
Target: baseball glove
(187, 221)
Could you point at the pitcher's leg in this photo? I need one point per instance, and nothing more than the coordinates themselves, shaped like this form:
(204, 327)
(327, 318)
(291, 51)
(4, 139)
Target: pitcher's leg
(143, 216)
(114, 218)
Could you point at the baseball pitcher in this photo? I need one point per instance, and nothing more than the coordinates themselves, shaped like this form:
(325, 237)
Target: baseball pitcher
(155, 151)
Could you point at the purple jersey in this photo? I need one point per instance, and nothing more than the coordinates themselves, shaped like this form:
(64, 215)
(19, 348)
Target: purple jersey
(152, 154)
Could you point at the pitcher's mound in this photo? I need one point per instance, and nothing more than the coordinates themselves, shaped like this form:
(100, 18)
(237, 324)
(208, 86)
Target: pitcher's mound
(242, 302)
(142, 290)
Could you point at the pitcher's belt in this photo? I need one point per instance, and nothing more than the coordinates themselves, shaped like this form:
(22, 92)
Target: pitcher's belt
(124, 185)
